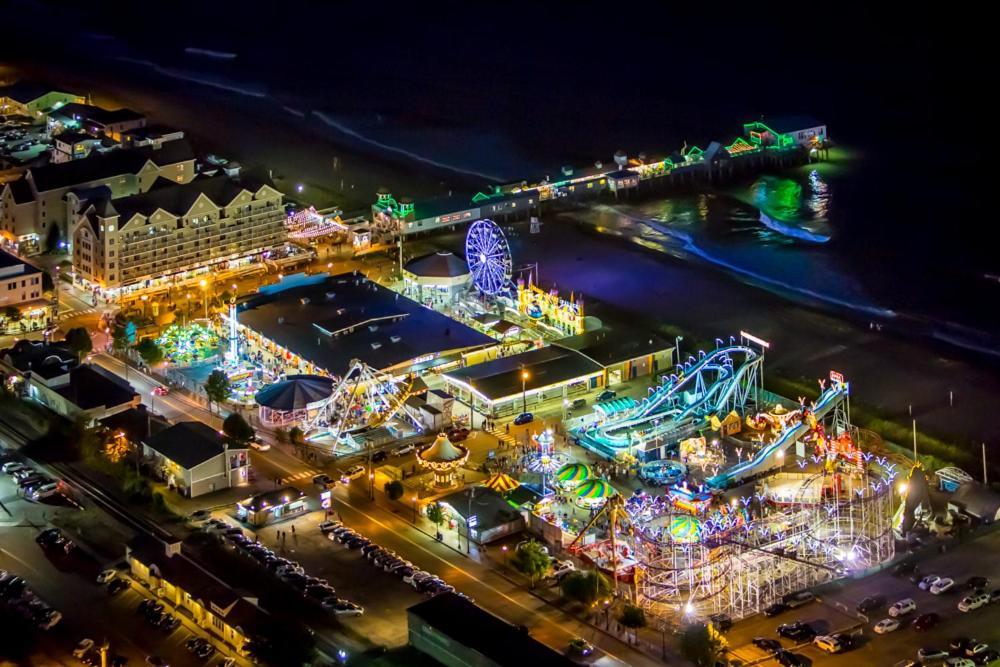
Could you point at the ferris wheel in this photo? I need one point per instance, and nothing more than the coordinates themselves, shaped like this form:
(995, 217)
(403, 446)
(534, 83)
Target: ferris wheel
(488, 257)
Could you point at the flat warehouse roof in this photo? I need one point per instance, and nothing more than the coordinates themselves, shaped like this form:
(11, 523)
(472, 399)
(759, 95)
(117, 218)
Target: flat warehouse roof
(331, 322)
(546, 366)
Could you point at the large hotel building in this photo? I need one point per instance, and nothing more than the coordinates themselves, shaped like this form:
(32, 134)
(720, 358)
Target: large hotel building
(173, 231)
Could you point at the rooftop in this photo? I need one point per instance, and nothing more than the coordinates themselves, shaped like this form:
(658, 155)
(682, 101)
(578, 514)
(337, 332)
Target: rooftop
(74, 137)
(431, 208)
(296, 392)
(546, 366)
(614, 344)
(28, 91)
(105, 165)
(45, 360)
(793, 123)
(282, 496)
(92, 387)
(21, 191)
(489, 508)
(474, 627)
(443, 264)
(187, 444)
(177, 199)
(8, 260)
(334, 320)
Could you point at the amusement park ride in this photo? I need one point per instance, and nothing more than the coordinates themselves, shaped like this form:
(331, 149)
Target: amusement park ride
(804, 505)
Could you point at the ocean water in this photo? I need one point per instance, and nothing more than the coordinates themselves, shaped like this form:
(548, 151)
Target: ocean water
(899, 228)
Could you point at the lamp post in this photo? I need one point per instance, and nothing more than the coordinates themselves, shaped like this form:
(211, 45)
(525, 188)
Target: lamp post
(414, 510)
(204, 294)
(677, 350)
(504, 550)
(524, 391)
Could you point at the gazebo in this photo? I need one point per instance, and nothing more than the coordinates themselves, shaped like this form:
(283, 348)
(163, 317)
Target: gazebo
(294, 401)
(443, 458)
(572, 475)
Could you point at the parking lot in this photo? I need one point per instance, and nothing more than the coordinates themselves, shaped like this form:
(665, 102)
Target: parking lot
(835, 611)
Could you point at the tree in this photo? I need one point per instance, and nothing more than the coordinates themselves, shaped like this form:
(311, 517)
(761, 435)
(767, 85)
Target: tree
(585, 587)
(237, 429)
(47, 284)
(119, 338)
(12, 313)
(150, 352)
(436, 514)
(116, 447)
(217, 387)
(79, 341)
(52, 240)
(699, 646)
(531, 559)
(633, 618)
(394, 489)
(281, 435)
(285, 642)
(296, 437)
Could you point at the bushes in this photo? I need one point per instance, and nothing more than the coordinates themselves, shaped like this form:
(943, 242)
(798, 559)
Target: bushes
(585, 587)
(394, 490)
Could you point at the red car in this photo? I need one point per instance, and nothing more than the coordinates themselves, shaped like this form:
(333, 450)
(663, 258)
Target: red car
(458, 434)
(160, 391)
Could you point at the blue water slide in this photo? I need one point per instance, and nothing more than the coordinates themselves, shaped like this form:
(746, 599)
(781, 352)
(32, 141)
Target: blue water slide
(765, 459)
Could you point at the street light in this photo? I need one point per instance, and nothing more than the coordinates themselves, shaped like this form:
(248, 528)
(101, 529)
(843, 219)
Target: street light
(414, 510)
(204, 295)
(504, 550)
(524, 392)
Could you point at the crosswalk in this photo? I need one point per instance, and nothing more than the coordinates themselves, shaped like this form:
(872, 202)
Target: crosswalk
(305, 474)
(76, 312)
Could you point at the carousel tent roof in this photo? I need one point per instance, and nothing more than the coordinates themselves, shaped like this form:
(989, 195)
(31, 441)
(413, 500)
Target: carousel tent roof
(443, 264)
(685, 528)
(295, 393)
(595, 489)
(442, 451)
(501, 483)
(573, 472)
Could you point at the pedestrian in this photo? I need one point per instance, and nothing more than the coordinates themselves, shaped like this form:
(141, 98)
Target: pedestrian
(508, 428)
(293, 529)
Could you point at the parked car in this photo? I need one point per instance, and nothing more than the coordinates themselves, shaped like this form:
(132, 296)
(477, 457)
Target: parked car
(871, 603)
(561, 568)
(347, 608)
(793, 600)
(926, 621)
(788, 659)
(828, 644)
(971, 602)
(775, 609)
(766, 644)
(942, 586)
(959, 661)
(930, 654)
(117, 586)
(799, 631)
(976, 648)
(402, 450)
(380, 456)
(11, 467)
(902, 607)
(886, 625)
(83, 647)
(905, 568)
(524, 418)
(328, 526)
(973, 583)
(607, 395)
(928, 581)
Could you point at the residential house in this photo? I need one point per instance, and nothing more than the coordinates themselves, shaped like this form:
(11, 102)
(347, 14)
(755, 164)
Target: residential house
(195, 459)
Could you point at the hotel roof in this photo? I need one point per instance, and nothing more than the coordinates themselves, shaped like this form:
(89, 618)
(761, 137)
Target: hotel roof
(105, 165)
(332, 321)
(177, 199)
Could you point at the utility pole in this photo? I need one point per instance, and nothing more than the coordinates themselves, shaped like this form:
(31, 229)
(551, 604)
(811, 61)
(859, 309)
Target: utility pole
(915, 459)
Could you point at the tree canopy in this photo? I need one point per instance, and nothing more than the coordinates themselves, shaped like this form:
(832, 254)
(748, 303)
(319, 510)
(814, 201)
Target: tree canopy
(150, 352)
(531, 559)
(79, 341)
(585, 587)
(237, 429)
(394, 489)
(699, 646)
(217, 387)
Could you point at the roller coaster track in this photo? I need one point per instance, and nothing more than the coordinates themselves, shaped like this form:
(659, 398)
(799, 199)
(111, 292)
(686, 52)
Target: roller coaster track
(707, 385)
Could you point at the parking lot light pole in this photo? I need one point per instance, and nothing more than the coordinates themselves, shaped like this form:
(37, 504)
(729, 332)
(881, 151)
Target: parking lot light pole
(524, 391)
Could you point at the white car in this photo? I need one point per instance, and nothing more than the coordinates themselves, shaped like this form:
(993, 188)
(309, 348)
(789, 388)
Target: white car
(902, 607)
(931, 654)
(976, 649)
(259, 445)
(106, 576)
(971, 602)
(559, 568)
(11, 467)
(51, 620)
(417, 574)
(345, 608)
(83, 647)
(403, 449)
(354, 472)
(942, 586)
(959, 662)
(928, 581)
(886, 625)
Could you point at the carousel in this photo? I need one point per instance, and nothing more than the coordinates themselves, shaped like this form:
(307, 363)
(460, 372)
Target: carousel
(443, 458)
(297, 401)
